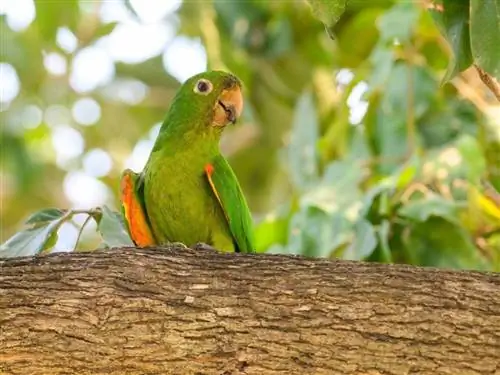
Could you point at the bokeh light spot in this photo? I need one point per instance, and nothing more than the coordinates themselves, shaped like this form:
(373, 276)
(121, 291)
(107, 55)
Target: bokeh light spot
(68, 143)
(97, 163)
(137, 160)
(129, 91)
(20, 13)
(10, 83)
(357, 106)
(32, 116)
(149, 11)
(155, 130)
(92, 67)
(184, 58)
(134, 43)
(55, 63)
(66, 39)
(86, 111)
(85, 191)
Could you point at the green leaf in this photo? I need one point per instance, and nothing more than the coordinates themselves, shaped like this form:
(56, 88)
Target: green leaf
(454, 26)
(302, 151)
(30, 241)
(365, 241)
(399, 22)
(399, 179)
(446, 121)
(47, 214)
(382, 60)
(440, 243)
(279, 38)
(112, 229)
(386, 119)
(313, 232)
(361, 23)
(472, 154)
(52, 240)
(490, 141)
(485, 35)
(272, 230)
(421, 210)
(338, 189)
(328, 12)
(383, 232)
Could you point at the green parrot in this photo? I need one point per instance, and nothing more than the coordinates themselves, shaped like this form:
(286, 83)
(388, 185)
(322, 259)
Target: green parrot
(187, 192)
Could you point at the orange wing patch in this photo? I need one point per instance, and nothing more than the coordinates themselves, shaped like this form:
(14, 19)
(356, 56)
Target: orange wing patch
(138, 226)
(209, 170)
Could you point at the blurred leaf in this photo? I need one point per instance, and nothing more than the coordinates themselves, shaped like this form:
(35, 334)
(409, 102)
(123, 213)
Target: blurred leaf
(16, 158)
(454, 25)
(150, 72)
(338, 189)
(375, 209)
(473, 157)
(50, 15)
(386, 119)
(382, 60)
(438, 242)
(485, 35)
(272, 230)
(328, 12)
(448, 119)
(112, 229)
(362, 23)
(313, 232)
(365, 241)
(399, 22)
(105, 29)
(490, 142)
(280, 38)
(383, 233)
(302, 151)
(131, 9)
(421, 210)
(485, 204)
(47, 214)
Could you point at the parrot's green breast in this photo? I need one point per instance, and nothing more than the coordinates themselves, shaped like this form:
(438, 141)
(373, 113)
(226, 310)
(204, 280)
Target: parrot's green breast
(178, 199)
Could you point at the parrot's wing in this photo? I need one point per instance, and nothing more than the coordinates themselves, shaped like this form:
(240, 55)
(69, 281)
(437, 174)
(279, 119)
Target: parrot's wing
(226, 189)
(134, 210)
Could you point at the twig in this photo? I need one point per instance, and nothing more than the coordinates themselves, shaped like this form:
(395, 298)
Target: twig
(81, 230)
(413, 188)
(489, 81)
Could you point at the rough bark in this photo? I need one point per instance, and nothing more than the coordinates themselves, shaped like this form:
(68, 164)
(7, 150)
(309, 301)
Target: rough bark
(171, 311)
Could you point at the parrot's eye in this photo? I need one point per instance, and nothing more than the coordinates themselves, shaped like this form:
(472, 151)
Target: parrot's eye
(203, 87)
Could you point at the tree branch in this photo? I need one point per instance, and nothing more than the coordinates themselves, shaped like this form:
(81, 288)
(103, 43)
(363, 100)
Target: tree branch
(176, 311)
(489, 81)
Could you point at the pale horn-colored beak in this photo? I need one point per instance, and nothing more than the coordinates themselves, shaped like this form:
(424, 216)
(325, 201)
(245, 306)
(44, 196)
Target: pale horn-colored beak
(229, 106)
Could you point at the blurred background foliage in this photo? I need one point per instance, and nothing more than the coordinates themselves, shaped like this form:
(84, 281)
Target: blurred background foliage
(351, 147)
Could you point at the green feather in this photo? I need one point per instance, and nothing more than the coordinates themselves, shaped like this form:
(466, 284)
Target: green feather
(233, 204)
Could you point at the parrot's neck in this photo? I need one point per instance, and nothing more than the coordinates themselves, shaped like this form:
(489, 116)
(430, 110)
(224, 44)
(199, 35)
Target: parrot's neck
(189, 151)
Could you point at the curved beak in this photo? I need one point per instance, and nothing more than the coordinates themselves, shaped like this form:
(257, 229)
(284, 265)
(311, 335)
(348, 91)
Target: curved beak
(230, 103)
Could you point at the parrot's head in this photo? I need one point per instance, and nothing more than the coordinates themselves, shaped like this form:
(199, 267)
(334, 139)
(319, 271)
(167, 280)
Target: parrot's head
(207, 102)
